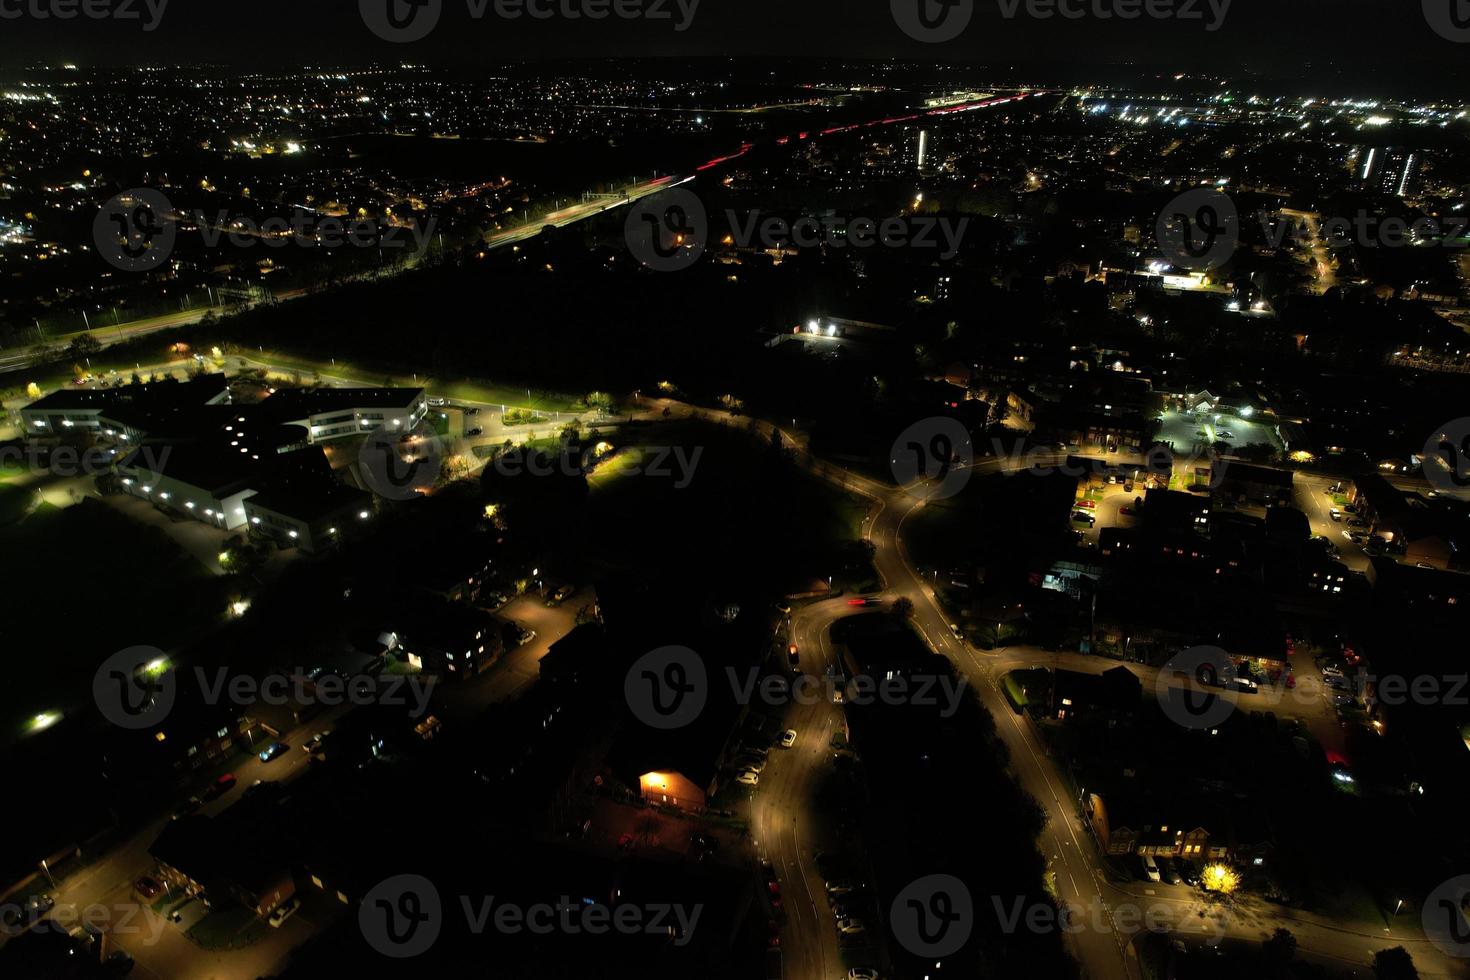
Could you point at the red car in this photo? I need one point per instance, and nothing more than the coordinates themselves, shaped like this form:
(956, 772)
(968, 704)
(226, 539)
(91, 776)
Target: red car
(775, 889)
(1088, 504)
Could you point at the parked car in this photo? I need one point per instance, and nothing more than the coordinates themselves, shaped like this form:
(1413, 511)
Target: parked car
(147, 888)
(273, 751)
(1188, 870)
(1341, 700)
(851, 927)
(1171, 874)
(862, 973)
(788, 738)
(476, 431)
(1086, 504)
(748, 778)
(1083, 517)
(773, 889)
(284, 911)
(705, 843)
(221, 786)
(793, 657)
(1151, 868)
(191, 805)
(837, 889)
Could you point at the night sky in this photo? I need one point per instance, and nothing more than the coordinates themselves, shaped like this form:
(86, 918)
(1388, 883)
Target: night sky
(1360, 40)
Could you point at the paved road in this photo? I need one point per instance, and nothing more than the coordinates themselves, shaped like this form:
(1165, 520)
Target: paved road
(1109, 915)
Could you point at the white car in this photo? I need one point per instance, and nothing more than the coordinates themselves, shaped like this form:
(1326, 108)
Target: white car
(748, 779)
(851, 927)
(1151, 869)
(862, 973)
(788, 738)
(284, 911)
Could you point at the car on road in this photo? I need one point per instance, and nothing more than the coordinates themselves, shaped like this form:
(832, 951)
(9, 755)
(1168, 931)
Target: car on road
(748, 778)
(284, 911)
(788, 738)
(1224, 434)
(191, 805)
(220, 786)
(773, 889)
(793, 657)
(866, 600)
(851, 927)
(273, 751)
(476, 431)
(147, 888)
(313, 745)
(1335, 514)
(1246, 685)
(1151, 869)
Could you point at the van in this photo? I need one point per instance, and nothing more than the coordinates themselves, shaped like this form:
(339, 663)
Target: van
(1151, 869)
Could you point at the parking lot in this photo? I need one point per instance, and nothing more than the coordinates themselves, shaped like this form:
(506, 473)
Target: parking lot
(1187, 431)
